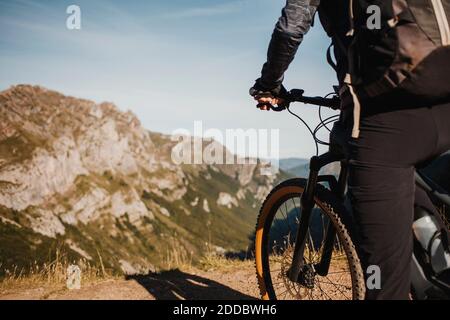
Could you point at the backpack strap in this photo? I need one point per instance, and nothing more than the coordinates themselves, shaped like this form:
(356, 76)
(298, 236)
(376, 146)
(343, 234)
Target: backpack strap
(356, 106)
(351, 16)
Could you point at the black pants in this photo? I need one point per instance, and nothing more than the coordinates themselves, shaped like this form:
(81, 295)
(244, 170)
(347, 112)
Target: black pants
(381, 183)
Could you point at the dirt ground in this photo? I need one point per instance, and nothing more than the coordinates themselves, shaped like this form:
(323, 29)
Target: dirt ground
(170, 285)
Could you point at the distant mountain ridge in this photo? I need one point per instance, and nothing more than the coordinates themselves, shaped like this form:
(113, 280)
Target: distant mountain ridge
(299, 167)
(290, 163)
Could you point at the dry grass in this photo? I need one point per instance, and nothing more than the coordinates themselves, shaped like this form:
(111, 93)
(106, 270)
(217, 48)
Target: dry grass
(211, 262)
(51, 275)
(177, 257)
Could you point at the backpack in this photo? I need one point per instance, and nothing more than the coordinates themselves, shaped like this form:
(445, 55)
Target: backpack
(399, 47)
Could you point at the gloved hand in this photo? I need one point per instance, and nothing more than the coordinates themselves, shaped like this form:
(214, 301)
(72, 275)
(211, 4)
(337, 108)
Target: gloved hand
(267, 98)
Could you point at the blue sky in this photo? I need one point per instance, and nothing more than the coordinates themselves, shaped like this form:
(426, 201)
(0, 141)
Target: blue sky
(170, 62)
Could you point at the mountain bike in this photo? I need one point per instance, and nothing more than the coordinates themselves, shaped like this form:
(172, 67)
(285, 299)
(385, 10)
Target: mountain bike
(305, 243)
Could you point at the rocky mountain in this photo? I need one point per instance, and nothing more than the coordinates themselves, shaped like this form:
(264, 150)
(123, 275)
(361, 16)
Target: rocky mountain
(88, 179)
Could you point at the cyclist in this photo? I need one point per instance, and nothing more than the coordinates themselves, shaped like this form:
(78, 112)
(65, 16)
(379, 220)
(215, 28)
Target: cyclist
(389, 136)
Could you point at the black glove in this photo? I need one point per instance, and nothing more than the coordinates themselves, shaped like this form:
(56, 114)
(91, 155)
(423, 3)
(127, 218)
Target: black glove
(259, 91)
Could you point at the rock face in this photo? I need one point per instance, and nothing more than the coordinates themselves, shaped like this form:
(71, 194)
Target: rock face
(90, 178)
(227, 200)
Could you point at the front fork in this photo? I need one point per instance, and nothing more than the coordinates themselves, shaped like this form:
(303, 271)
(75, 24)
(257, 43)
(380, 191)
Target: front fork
(307, 204)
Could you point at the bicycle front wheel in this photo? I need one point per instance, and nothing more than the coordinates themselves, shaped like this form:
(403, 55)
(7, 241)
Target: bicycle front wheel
(274, 243)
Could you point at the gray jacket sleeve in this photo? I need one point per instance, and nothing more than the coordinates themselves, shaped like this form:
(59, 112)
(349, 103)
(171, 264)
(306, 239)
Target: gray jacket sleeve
(294, 23)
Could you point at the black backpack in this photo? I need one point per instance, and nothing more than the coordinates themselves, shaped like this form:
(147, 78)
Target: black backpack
(407, 53)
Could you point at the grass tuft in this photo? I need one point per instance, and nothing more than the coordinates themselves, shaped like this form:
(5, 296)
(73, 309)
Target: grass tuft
(218, 262)
(52, 275)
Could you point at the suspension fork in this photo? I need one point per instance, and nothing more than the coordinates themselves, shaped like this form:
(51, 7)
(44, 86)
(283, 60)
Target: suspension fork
(307, 205)
(338, 188)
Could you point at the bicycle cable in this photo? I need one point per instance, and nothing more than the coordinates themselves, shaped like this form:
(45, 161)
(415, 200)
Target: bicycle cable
(323, 124)
(320, 112)
(308, 127)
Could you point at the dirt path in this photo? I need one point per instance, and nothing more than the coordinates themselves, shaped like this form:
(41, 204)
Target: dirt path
(169, 285)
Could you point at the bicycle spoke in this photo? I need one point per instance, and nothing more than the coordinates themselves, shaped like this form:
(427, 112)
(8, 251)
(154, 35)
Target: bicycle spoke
(320, 292)
(340, 278)
(287, 217)
(279, 295)
(336, 272)
(295, 208)
(336, 287)
(275, 226)
(323, 228)
(333, 283)
(312, 252)
(287, 291)
(320, 288)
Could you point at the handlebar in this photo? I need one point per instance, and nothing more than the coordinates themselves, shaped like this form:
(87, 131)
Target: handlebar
(296, 95)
